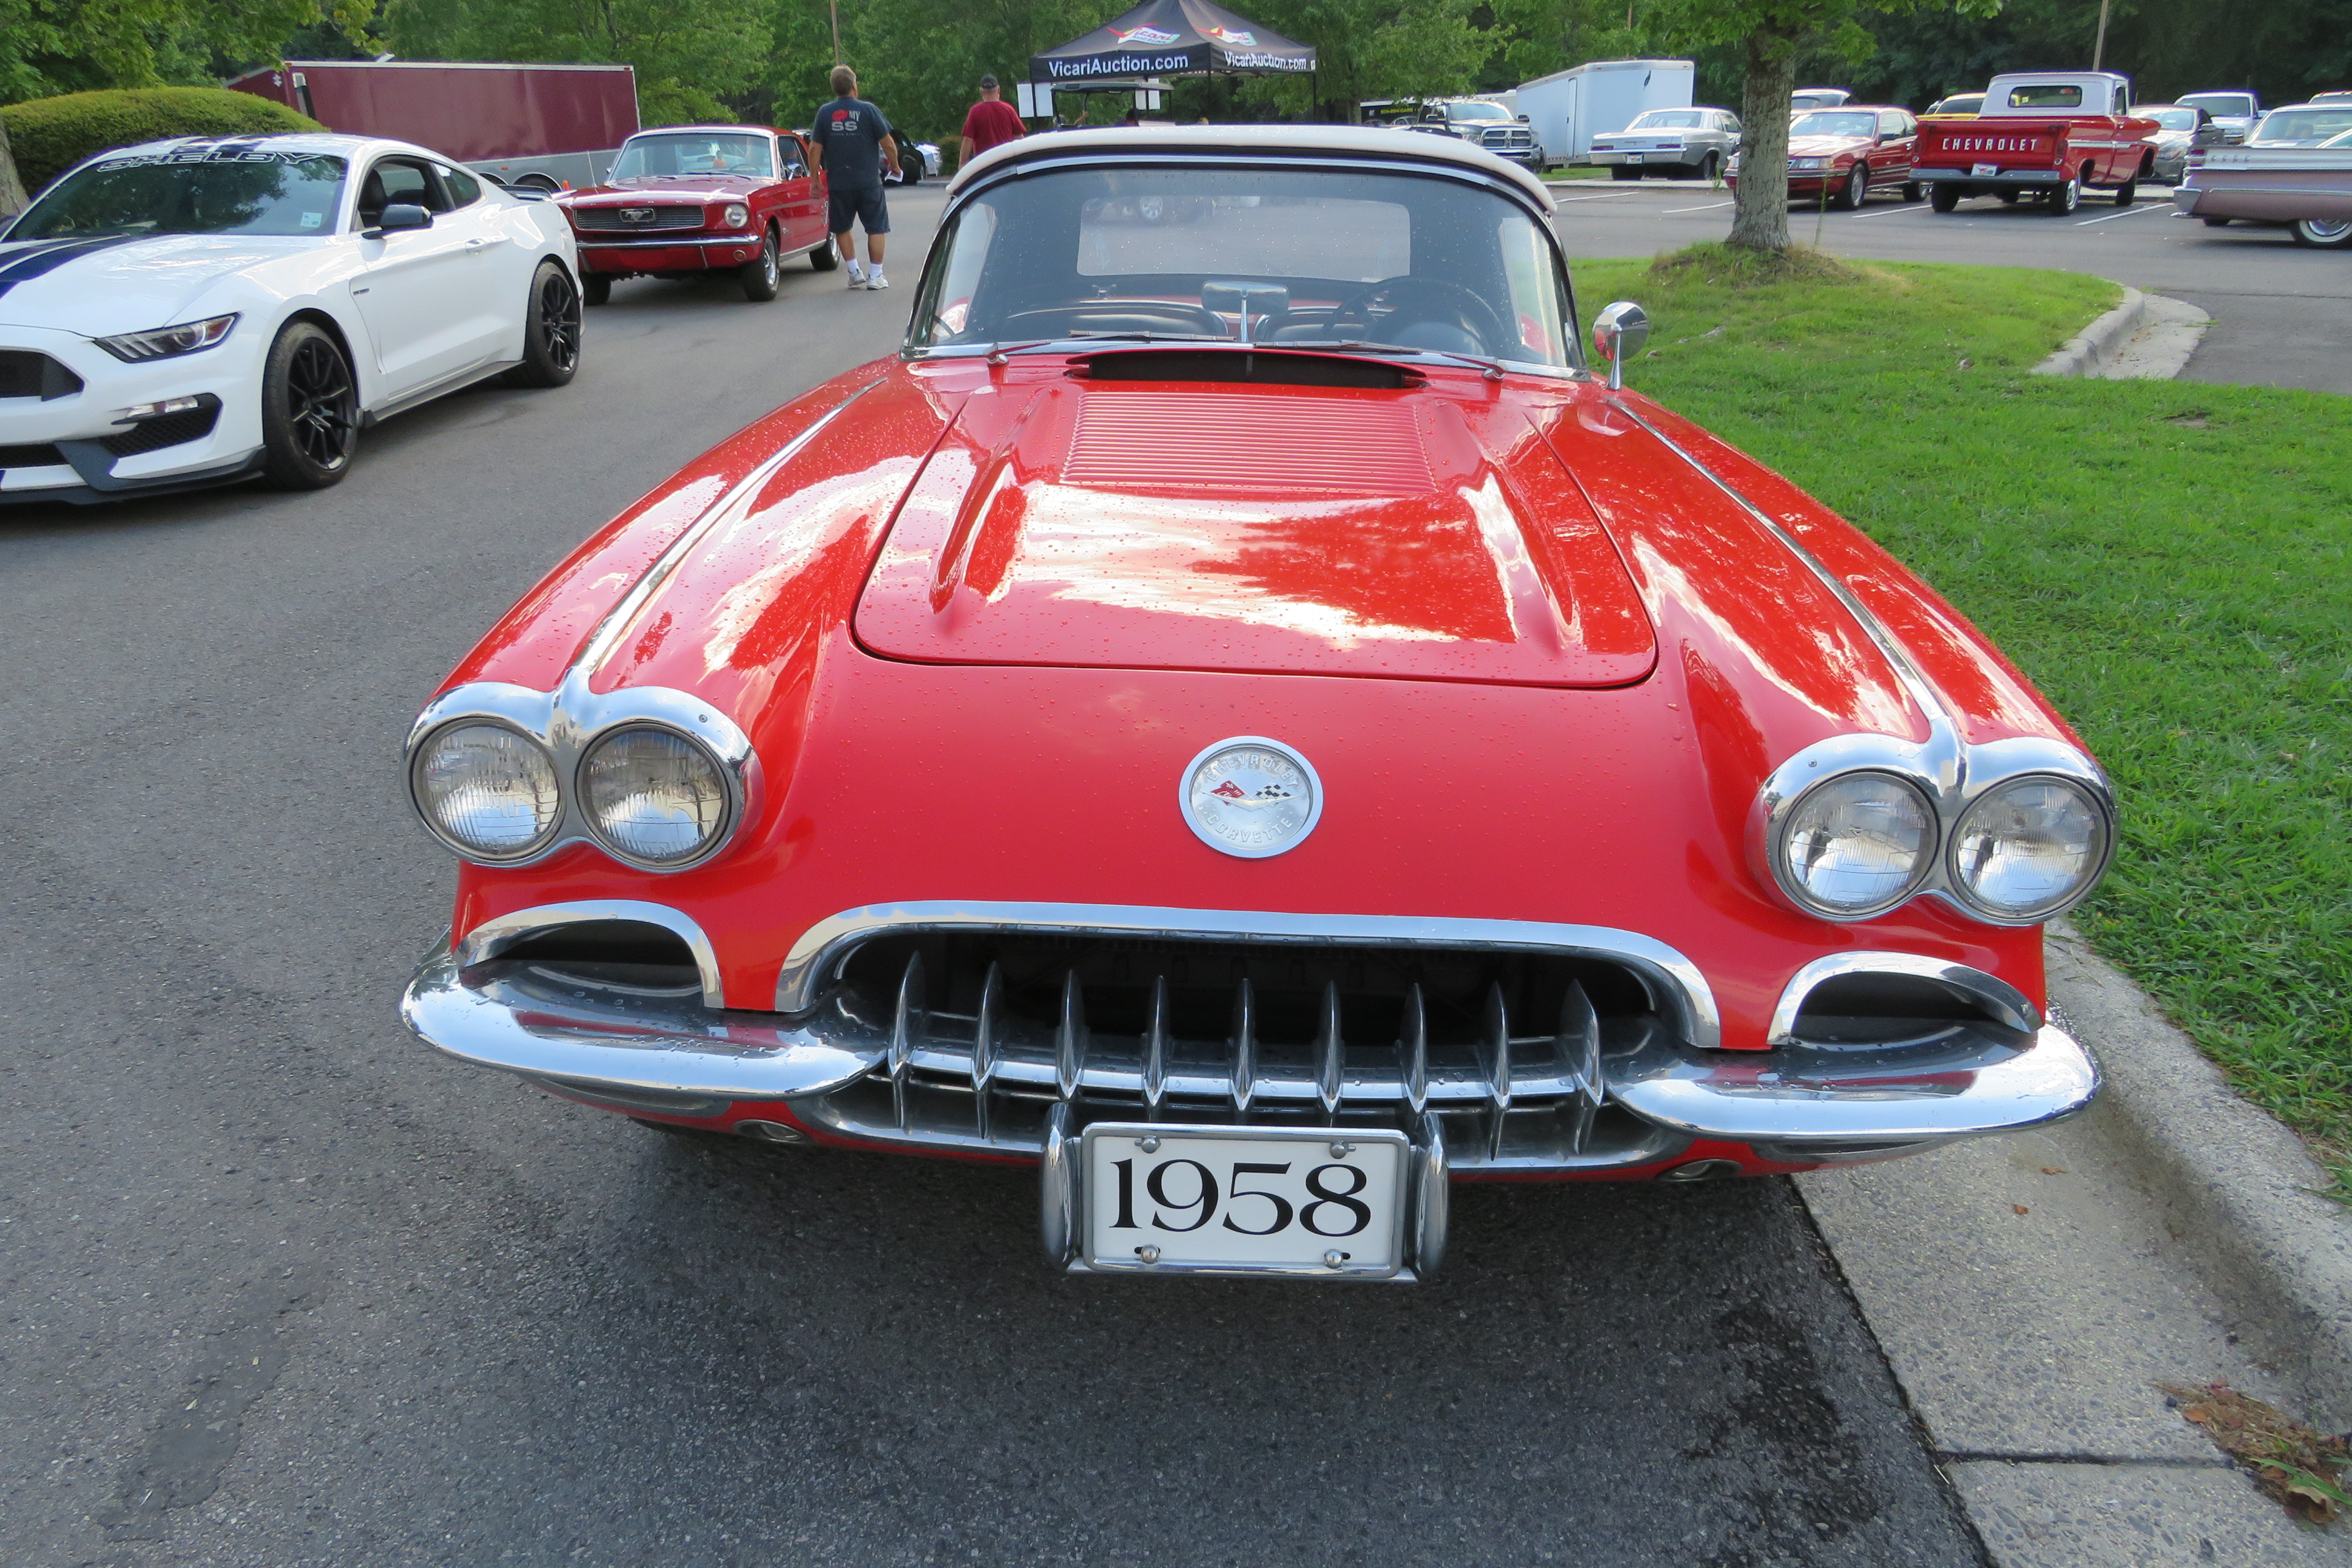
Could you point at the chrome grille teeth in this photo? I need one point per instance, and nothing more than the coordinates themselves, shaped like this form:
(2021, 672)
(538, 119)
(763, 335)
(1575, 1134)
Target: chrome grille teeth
(1155, 1048)
(1330, 1054)
(1495, 1054)
(1580, 1049)
(1415, 1047)
(1244, 1047)
(1070, 1037)
(906, 1024)
(983, 1046)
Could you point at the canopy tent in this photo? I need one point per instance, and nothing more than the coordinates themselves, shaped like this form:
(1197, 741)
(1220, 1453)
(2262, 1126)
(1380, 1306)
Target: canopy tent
(1169, 38)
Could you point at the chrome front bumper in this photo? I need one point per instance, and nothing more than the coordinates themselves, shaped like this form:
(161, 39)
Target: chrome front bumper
(663, 1052)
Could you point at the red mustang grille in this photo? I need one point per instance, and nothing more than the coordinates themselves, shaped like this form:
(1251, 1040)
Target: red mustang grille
(1242, 443)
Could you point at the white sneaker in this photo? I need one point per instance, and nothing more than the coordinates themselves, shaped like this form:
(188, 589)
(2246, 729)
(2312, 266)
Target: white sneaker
(876, 281)
(856, 276)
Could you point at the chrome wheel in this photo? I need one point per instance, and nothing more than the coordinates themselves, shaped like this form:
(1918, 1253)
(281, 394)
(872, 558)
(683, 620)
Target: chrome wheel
(2320, 234)
(321, 409)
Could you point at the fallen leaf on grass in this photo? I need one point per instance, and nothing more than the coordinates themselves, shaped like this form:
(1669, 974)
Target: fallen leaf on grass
(2292, 1463)
(2020, 1208)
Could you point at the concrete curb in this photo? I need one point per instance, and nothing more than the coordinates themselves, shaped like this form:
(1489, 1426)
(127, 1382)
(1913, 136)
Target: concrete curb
(2238, 1190)
(2089, 354)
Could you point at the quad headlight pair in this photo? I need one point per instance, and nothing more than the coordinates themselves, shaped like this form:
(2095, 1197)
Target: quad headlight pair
(647, 794)
(1859, 842)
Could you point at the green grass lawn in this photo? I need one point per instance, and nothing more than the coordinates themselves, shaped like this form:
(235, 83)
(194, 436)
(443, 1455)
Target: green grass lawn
(2166, 560)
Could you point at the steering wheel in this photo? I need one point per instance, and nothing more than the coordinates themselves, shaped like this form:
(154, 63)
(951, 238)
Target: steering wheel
(1425, 298)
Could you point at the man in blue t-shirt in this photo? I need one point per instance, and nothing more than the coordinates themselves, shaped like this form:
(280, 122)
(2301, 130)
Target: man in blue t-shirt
(853, 145)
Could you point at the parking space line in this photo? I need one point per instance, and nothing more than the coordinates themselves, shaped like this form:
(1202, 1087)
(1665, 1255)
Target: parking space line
(1905, 207)
(2110, 217)
(1611, 196)
(1708, 209)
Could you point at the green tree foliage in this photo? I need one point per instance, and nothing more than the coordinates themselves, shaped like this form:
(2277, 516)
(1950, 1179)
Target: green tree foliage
(690, 55)
(50, 135)
(52, 47)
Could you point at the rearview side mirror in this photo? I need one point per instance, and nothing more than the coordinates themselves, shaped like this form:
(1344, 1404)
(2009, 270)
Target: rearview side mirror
(1618, 334)
(396, 216)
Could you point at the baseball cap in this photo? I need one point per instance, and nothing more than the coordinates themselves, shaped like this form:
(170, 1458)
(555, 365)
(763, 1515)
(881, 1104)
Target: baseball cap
(988, 81)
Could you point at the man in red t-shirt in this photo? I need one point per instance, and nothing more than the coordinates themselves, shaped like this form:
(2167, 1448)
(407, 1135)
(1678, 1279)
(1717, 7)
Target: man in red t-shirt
(990, 123)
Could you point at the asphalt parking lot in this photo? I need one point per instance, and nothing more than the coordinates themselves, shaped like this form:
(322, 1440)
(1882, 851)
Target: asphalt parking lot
(2282, 313)
(283, 1288)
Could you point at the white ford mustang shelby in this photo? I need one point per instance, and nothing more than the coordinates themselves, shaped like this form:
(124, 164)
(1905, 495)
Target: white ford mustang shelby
(201, 311)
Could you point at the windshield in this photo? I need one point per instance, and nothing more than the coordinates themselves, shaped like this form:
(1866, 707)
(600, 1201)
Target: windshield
(2303, 126)
(1667, 119)
(1295, 255)
(1824, 122)
(698, 152)
(1959, 103)
(2343, 140)
(241, 189)
(2224, 105)
(1476, 112)
(2172, 118)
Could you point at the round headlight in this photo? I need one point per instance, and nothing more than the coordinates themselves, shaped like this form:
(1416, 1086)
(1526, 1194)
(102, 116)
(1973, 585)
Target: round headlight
(2030, 848)
(488, 791)
(1855, 845)
(652, 796)
(738, 215)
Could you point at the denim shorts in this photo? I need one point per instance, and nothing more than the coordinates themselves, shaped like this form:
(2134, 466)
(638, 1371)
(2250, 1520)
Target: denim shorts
(862, 204)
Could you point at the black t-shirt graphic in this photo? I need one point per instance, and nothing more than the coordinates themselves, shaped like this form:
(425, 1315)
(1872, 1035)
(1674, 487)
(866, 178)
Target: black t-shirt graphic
(850, 130)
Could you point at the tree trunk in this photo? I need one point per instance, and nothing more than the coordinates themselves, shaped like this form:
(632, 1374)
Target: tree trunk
(12, 189)
(1759, 218)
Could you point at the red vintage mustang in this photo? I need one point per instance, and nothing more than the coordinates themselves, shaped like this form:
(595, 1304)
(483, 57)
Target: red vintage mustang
(1847, 154)
(1238, 715)
(689, 199)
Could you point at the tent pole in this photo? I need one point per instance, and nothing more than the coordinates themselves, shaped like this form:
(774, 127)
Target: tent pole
(834, 6)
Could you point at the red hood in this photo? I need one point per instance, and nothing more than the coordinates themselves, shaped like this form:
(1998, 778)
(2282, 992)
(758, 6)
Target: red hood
(672, 188)
(1422, 534)
(1826, 146)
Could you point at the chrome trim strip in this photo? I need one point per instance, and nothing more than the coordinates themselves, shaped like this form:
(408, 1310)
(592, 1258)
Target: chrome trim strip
(821, 949)
(499, 932)
(1953, 772)
(2008, 1005)
(1796, 1095)
(751, 239)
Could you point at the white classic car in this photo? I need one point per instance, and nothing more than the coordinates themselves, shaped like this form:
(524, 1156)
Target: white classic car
(203, 310)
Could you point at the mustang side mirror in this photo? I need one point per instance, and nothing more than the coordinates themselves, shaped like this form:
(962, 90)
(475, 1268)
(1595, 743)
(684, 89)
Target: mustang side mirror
(396, 216)
(1618, 334)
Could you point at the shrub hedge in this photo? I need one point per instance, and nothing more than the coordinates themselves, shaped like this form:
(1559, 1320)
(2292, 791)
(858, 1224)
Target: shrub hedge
(50, 135)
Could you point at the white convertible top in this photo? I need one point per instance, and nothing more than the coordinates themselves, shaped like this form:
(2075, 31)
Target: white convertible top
(1109, 143)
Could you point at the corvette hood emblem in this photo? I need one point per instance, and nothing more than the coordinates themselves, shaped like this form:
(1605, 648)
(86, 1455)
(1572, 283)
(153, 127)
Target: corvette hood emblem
(1251, 797)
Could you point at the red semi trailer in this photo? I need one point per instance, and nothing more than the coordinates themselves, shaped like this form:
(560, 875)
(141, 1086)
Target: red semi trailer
(544, 125)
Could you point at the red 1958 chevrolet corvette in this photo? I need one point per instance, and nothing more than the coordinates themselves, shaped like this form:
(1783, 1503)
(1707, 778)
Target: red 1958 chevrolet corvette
(1238, 715)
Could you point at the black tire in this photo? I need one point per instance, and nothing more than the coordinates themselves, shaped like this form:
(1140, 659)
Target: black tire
(2065, 198)
(551, 331)
(596, 288)
(1710, 168)
(310, 410)
(1944, 199)
(1620, 171)
(2128, 192)
(1911, 190)
(2008, 198)
(825, 257)
(2321, 236)
(2217, 222)
(1854, 191)
(759, 275)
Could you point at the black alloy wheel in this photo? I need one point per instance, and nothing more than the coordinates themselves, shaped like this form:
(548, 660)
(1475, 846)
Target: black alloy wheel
(551, 330)
(759, 274)
(1856, 191)
(596, 288)
(310, 410)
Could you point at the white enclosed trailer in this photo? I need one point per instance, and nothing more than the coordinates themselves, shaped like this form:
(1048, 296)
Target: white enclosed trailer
(1568, 108)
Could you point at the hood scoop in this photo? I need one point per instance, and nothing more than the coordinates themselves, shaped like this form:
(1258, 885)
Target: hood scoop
(1307, 531)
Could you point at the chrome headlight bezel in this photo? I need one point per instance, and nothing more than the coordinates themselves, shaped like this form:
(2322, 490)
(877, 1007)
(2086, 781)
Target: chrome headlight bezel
(729, 807)
(570, 721)
(421, 753)
(1958, 883)
(1786, 820)
(170, 342)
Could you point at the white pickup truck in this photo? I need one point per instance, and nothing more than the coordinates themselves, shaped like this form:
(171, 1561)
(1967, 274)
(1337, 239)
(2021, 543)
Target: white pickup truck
(2309, 189)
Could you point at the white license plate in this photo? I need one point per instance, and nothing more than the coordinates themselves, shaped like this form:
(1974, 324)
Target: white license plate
(1244, 1200)
(1632, 157)
(1984, 171)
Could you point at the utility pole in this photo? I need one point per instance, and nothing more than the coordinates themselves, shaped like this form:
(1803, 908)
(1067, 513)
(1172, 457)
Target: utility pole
(2099, 49)
(834, 6)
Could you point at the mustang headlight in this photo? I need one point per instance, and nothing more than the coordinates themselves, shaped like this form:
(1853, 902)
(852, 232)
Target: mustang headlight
(168, 342)
(2028, 849)
(489, 792)
(736, 216)
(651, 796)
(1854, 844)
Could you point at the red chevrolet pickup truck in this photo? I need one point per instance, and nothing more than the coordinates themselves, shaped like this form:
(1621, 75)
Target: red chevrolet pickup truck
(2051, 135)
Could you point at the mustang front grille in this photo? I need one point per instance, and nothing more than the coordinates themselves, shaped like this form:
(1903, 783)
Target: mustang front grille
(171, 430)
(35, 457)
(610, 220)
(1252, 1031)
(25, 374)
